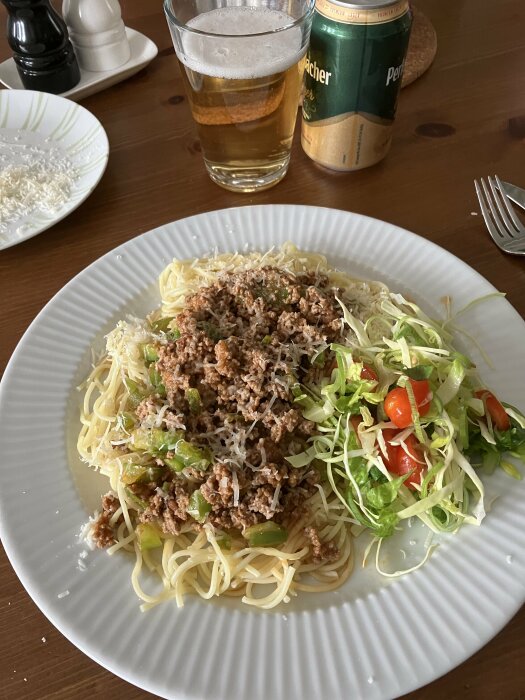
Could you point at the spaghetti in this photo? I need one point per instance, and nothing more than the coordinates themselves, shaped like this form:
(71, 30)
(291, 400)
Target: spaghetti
(127, 407)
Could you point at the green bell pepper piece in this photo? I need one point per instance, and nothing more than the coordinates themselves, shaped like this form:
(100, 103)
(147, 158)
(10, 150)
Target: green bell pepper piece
(155, 378)
(136, 394)
(174, 464)
(265, 534)
(138, 502)
(149, 353)
(148, 536)
(198, 507)
(154, 440)
(191, 455)
(125, 421)
(162, 325)
(140, 473)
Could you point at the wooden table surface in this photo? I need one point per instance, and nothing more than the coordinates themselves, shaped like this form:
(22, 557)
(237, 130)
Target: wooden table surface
(463, 119)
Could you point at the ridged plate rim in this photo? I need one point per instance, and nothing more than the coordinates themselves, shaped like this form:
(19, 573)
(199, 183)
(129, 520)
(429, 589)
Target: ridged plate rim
(374, 645)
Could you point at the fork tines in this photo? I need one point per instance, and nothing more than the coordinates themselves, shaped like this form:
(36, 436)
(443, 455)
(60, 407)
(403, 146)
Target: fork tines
(506, 229)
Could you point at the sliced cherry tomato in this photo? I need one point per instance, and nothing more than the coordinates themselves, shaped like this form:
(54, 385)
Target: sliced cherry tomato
(422, 394)
(397, 404)
(496, 411)
(390, 458)
(369, 374)
(405, 463)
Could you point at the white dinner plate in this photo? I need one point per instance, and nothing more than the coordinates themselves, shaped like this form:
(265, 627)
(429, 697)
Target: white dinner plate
(142, 52)
(371, 639)
(48, 129)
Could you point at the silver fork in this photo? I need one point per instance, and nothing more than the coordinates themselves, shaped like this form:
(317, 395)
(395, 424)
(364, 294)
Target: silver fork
(506, 230)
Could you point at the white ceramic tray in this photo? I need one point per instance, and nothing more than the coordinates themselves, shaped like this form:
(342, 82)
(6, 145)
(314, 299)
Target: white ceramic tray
(143, 51)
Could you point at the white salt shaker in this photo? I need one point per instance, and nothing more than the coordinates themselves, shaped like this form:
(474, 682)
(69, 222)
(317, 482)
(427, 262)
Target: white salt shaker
(97, 33)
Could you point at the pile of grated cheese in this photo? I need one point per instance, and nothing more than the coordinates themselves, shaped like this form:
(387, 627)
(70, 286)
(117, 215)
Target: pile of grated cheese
(32, 179)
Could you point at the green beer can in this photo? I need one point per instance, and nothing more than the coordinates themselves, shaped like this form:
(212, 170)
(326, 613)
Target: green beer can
(354, 67)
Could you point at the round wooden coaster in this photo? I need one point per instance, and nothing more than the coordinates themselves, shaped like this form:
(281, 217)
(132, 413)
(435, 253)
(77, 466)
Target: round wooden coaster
(422, 47)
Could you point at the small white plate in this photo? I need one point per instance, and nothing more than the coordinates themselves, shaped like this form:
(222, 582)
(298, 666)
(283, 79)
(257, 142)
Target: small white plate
(143, 51)
(37, 129)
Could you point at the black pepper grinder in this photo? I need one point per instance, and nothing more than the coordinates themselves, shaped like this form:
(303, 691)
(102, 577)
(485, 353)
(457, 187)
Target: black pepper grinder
(42, 51)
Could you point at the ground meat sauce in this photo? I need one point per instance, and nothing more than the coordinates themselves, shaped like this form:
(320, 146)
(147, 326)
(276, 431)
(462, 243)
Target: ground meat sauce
(244, 342)
(321, 551)
(103, 533)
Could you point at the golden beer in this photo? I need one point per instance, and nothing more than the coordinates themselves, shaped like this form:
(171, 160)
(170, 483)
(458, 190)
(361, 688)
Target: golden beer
(244, 90)
(246, 126)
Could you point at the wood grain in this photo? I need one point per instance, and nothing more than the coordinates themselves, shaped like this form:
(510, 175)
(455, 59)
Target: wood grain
(463, 119)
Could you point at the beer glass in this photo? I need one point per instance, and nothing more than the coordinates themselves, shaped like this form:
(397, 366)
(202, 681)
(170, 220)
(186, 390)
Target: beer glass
(242, 64)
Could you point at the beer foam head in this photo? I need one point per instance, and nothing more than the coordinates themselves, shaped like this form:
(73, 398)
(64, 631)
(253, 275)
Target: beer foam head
(240, 56)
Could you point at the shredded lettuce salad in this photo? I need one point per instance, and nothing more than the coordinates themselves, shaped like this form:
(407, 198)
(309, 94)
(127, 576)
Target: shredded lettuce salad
(427, 463)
